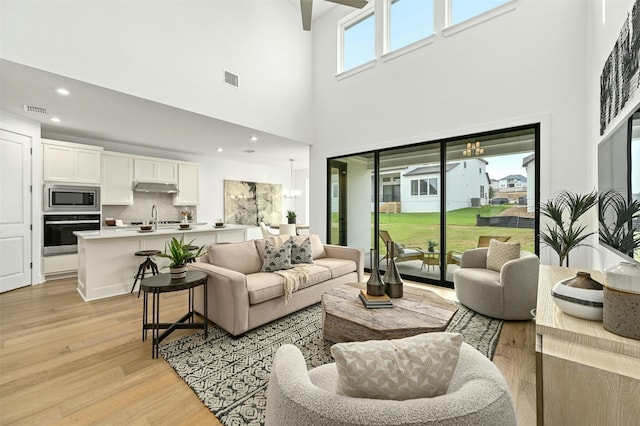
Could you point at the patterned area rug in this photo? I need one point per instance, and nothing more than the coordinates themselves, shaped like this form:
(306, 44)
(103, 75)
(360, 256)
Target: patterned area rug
(230, 376)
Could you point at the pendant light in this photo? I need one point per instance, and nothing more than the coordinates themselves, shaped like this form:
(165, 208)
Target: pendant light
(292, 193)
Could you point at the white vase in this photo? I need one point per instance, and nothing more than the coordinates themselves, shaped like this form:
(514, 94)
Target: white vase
(625, 276)
(178, 272)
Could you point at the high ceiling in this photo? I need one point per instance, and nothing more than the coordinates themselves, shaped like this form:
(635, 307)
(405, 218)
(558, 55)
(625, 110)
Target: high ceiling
(102, 114)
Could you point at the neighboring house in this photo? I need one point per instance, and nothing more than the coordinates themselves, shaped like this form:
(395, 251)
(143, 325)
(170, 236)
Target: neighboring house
(529, 164)
(512, 182)
(467, 185)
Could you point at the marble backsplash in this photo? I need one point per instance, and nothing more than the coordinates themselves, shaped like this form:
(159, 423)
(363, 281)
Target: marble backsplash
(141, 208)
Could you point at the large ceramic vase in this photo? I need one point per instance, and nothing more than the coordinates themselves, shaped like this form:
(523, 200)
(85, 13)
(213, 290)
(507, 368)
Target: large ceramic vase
(392, 280)
(375, 284)
(179, 272)
(621, 313)
(580, 296)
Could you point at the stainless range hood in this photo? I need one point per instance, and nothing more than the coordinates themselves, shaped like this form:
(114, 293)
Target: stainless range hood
(165, 188)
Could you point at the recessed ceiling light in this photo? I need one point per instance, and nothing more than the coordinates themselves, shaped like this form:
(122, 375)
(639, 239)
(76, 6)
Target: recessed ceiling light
(219, 150)
(253, 138)
(55, 119)
(63, 91)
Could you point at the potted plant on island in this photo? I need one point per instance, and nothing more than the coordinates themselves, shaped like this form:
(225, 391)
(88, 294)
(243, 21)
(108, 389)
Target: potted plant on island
(291, 216)
(431, 245)
(180, 253)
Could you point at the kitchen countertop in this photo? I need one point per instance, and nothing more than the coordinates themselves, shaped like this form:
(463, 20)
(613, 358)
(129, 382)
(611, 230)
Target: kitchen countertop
(134, 231)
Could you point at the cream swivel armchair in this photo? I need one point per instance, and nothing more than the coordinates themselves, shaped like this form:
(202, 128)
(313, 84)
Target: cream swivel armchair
(477, 395)
(509, 294)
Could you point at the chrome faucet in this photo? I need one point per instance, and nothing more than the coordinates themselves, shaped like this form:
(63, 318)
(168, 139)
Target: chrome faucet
(154, 216)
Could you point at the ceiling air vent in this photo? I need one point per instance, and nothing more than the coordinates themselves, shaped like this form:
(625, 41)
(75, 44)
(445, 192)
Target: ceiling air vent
(230, 78)
(37, 109)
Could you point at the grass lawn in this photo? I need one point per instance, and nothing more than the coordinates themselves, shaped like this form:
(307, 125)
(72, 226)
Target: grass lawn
(415, 229)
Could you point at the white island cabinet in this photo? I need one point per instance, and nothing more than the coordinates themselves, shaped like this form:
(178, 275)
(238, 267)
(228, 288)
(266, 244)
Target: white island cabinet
(107, 262)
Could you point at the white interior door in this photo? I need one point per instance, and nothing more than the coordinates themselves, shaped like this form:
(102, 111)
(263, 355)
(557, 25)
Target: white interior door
(15, 210)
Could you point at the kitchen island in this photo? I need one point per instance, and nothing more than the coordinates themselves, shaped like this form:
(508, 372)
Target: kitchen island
(106, 260)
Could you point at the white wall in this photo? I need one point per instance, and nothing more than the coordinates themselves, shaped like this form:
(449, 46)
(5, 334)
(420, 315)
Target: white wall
(525, 66)
(175, 52)
(605, 20)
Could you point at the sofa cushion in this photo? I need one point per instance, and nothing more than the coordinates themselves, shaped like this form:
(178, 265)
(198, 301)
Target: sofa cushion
(500, 253)
(338, 267)
(414, 367)
(317, 274)
(317, 248)
(263, 286)
(240, 257)
(301, 251)
(276, 259)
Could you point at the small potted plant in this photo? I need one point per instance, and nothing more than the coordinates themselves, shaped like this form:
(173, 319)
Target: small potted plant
(431, 245)
(291, 216)
(180, 253)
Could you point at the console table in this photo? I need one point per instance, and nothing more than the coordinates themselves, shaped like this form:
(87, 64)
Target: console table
(163, 283)
(585, 375)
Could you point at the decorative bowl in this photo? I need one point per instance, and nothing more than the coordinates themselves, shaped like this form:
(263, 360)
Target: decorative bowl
(579, 296)
(185, 225)
(219, 224)
(146, 228)
(110, 222)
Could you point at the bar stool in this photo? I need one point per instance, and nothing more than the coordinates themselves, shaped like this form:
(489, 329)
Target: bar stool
(193, 248)
(147, 264)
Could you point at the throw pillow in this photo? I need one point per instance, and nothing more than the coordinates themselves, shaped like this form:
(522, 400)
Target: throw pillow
(301, 252)
(414, 367)
(500, 253)
(399, 248)
(276, 259)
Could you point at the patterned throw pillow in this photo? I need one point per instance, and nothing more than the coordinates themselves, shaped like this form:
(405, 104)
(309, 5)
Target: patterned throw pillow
(276, 259)
(301, 252)
(414, 367)
(500, 253)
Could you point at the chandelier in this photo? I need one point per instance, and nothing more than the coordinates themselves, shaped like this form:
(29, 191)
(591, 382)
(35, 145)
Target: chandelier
(473, 148)
(292, 193)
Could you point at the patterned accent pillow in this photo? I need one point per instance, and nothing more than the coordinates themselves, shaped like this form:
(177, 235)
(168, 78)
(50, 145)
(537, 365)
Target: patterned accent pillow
(414, 367)
(276, 259)
(301, 252)
(500, 253)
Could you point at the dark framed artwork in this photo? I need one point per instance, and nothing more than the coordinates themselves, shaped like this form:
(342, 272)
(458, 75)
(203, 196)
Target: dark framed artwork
(249, 203)
(620, 77)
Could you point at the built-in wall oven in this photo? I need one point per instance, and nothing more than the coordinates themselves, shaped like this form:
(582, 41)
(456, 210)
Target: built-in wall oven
(71, 198)
(59, 229)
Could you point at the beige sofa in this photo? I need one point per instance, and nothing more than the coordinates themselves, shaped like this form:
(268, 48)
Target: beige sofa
(241, 298)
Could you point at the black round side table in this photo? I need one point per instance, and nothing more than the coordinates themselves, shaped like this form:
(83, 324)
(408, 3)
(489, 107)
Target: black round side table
(163, 283)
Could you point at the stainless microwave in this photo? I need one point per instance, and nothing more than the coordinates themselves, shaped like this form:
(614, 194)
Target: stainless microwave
(68, 198)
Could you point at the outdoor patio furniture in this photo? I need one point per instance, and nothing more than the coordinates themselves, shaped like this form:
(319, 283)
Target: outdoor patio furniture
(453, 256)
(402, 253)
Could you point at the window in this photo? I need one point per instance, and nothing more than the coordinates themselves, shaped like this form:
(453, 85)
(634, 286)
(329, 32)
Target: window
(409, 21)
(358, 41)
(481, 191)
(461, 10)
(428, 186)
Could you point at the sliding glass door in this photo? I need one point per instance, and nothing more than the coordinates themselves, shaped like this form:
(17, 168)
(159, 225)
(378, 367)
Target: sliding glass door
(433, 200)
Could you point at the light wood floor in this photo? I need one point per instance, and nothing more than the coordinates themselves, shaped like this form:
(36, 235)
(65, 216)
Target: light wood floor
(63, 360)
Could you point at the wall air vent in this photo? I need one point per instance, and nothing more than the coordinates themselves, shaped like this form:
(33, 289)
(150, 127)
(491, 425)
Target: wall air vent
(230, 78)
(37, 109)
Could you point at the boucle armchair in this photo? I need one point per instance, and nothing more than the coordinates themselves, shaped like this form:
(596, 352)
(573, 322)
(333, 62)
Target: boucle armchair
(477, 395)
(509, 294)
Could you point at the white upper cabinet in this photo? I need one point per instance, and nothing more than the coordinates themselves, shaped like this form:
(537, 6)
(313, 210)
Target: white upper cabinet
(188, 185)
(70, 162)
(117, 179)
(155, 171)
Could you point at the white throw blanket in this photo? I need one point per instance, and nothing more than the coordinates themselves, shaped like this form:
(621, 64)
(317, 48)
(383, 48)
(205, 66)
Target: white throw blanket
(293, 278)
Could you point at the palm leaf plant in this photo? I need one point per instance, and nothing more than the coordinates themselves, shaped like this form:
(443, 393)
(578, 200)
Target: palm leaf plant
(615, 217)
(565, 233)
(178, 252)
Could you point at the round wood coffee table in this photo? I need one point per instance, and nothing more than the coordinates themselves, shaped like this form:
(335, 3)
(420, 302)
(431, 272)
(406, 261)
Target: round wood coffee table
(345, 319)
